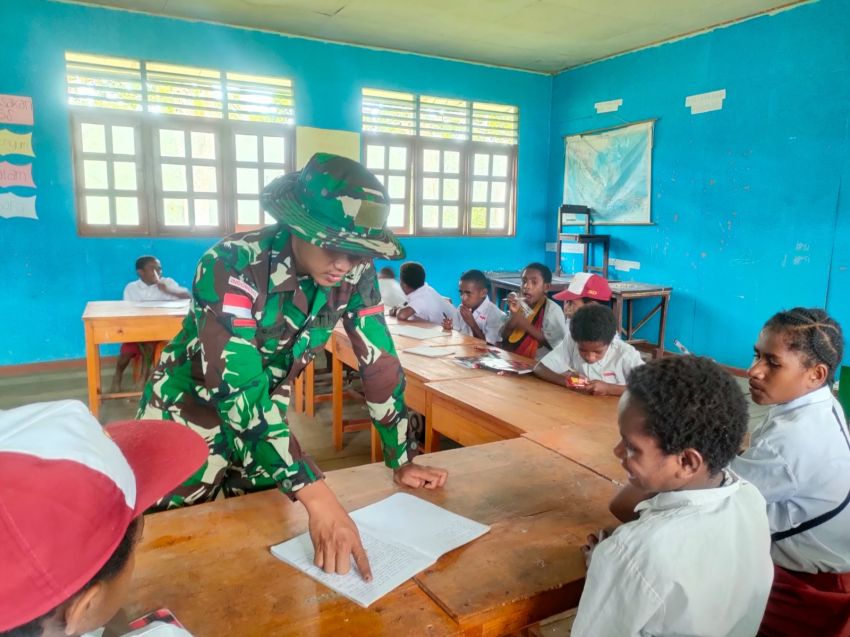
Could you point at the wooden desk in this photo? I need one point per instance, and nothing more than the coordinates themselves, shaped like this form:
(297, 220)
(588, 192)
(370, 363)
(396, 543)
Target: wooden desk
(624, 294)
(488, 408)
(122, 322)
(210, 564)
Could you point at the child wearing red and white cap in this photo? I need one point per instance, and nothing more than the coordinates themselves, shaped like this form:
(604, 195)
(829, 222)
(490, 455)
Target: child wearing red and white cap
(584, 288)
(72, 494)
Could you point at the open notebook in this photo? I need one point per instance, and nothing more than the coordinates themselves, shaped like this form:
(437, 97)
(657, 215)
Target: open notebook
(402, 535)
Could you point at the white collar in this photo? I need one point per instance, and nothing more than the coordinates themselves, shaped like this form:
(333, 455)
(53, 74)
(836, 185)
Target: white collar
(692, 497)
(820, 395)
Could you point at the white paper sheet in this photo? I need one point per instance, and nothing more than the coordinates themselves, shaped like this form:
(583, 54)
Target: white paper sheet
(418, 332)
(430, 352)
(174, 305)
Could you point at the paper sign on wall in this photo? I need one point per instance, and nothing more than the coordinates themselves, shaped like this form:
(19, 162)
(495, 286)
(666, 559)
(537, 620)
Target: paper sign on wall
(13, 175)
(16, 109)
(611, 106)
(12, 205)
(706, 102)
(16, 144)
(309, 141)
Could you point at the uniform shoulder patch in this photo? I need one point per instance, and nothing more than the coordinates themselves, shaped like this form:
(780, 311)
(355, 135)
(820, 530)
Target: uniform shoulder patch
(238, 305)
(369, 311)
(247, 289)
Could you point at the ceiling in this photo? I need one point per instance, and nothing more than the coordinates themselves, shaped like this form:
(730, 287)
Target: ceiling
(538, 35)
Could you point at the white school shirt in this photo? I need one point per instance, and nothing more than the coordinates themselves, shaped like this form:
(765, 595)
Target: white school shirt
(391, 293)
(694, 563)
(487, 316)
(154, 629)
(619, 360)
(800, 461)
(429, 305)
(138, 290)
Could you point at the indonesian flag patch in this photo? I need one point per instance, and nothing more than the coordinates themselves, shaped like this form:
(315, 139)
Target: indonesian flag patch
(369, 311)
(237, 305)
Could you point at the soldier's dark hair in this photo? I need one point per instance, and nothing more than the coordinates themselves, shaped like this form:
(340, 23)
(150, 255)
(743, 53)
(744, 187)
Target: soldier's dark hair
(111, 568)
(689, 402)
(412, 274)
(544, 271)
(386, 273)
(142, 261)
(593, 323)
(475, 276)
(812, 333)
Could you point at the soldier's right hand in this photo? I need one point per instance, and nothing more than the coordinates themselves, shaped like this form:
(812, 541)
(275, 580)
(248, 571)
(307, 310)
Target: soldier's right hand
(334, 535)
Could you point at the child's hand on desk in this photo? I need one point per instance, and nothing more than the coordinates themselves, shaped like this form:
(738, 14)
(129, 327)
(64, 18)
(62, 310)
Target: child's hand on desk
(593, 541)
(596, 388)
(416, 476)
(447, 323)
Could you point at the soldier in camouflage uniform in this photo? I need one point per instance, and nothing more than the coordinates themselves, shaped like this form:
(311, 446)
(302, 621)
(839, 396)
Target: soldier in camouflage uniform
(264, 303)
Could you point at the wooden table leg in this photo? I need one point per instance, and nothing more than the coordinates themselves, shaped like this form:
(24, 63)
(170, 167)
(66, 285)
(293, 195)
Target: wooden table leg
(336, 383)
(377, 450)
(662, 328)
(309, 389)
(432, 438)
(298, 394)
(92, 371)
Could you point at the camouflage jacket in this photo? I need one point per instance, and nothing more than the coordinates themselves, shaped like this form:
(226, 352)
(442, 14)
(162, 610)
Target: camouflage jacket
(252, 328)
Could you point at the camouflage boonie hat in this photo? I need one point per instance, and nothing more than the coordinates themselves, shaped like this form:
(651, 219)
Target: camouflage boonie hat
(334, 202)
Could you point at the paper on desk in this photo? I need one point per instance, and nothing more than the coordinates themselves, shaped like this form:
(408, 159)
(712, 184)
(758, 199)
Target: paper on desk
(174, 305)
(402, 535)
(431, 352)
(417, 332)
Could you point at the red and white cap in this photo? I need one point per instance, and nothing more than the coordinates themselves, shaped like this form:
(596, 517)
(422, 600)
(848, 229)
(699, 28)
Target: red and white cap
(69, 489)
(585, 285)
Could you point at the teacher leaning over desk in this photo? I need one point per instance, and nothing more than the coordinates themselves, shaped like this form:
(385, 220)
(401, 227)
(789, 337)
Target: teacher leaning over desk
(263, 304)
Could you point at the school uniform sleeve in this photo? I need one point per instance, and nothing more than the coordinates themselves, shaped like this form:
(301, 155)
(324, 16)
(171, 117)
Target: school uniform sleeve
(234, 380)
(554, 323)
(493, 324)
(174, 285)
(558, 359)
(380, 370)
(631, 358)
(131, 292)
(617, 598)
(763, 466)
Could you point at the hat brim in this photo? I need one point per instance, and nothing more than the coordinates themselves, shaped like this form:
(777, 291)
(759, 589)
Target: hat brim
(162, 455)
(287, 210)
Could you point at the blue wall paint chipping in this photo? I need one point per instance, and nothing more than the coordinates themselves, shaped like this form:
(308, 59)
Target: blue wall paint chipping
(49, 272)
(751, 204)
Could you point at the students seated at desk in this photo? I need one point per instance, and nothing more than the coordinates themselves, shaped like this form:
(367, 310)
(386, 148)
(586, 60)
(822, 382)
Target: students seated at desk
(423, 301)
(476, 315)
(590, 359)
(535, 322)
(391, 293)
(71, 504)
(696, 561)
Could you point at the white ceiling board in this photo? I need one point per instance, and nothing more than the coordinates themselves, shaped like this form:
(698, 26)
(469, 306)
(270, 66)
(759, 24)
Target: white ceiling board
(538, 35)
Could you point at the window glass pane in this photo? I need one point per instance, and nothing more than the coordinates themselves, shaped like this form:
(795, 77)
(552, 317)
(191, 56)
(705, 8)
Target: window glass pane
(479, 191)
(206, 212)
(481, 165)
(246, 148)
(450, 217)
(270, 174)
(172, 143)
(498, 190)
(203, 145)
(247, 212)
(396, 187)
(497, 217)
(95, 174)
(478, 218)
(97, 211)
(396, 216)
(247, 181)
(398, 158)
(500, 165)
(123, 140)
(94, 138)
(124, 173)
(430, 188)
(174, 177)
(127, 211)
(451, 189)
(274, 150)
(176, 212)
(203, 179)
(431, 161)
(451, 162)
(374, 157)
(430, 216)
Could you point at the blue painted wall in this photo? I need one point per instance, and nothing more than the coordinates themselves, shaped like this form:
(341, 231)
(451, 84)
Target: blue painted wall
(751, 204)
(48, 272)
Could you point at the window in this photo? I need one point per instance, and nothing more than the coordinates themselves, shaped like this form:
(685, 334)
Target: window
(167, 150)
(449, 165)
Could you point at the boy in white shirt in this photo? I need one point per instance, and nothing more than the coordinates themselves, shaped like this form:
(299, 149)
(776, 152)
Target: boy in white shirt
(535, 323)
(476, 315)
(697, 559)
(423, 301)
(590, 359)
(391, 293)
(72, 495)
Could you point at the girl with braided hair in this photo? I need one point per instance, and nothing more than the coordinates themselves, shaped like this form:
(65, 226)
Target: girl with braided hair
(799, 458)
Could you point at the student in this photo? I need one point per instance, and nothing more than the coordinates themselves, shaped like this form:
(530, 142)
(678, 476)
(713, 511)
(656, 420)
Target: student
(476, 315)
(697, 559)
(584, 288)
(799, 458)
(590, 359)
(72, 496)
(423, 301)
(391, 293)
(150, 286)
(533, 335)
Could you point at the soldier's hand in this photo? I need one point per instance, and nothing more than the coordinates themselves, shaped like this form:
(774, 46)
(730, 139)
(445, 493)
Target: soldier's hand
(416, 476)
(334, 535)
